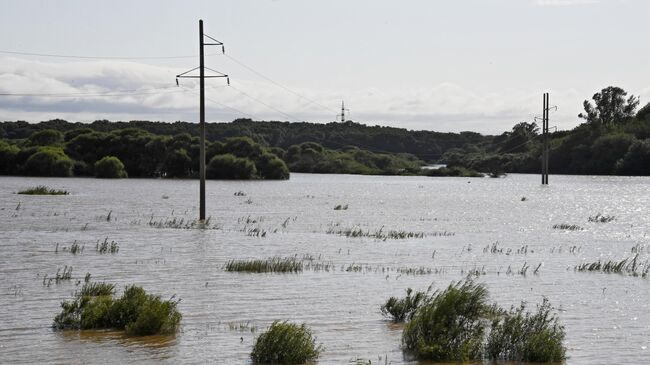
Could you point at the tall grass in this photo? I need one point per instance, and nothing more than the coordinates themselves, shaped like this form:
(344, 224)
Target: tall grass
(600, 218)
(630, 266)
(286, 343)
(274, 264)
(43, 190)
(400, 310)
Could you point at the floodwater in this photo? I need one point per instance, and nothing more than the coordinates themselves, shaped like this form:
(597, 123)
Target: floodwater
(607, 316)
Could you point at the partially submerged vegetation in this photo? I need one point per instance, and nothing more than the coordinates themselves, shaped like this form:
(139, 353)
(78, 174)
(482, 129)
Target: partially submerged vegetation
(379, 234)
(567, 227)
(630, 266)
(458, 324)
(136, 312)
(43, 190)
(286, 343)
(600, 218)
(274, 264)
(400, 310)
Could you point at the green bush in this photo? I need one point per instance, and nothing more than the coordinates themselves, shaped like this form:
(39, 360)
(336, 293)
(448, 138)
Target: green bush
(537, 337)
(401, 310)
(49, 161)
(136, 312)
(178, 163)
(230, 167)
(8, 155)
(46, 137)
(272, 167)
(110, 167)
(450, 326)
(285, 343)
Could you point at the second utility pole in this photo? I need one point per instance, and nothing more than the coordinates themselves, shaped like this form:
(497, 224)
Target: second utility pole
(201, 125)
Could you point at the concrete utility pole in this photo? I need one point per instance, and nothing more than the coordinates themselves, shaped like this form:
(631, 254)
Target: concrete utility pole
(202, 78)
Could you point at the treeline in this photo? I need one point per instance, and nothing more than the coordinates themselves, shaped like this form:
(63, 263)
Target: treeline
(426, 145)
(135, 152)
(614, 139)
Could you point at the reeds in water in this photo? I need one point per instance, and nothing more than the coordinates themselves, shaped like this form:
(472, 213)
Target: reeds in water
(274, 264)
(567, 227)
(629, 266)
(600, 218)
(106, 247)
(379, 234)
(43, 190)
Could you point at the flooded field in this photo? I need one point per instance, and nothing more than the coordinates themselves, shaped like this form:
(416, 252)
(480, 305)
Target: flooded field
(385, 235)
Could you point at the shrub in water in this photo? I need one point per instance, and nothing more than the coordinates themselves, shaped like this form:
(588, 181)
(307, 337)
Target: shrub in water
(230, 167)
(401, 310)
(137, 312)
(536, 337)
(450, 326)
(285, 343)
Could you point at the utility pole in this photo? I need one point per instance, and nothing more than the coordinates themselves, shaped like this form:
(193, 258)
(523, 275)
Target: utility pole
(545, 139)
(343, 109)
(202, 78)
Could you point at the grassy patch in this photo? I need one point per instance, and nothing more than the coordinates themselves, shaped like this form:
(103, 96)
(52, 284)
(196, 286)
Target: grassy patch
(629, 266)
(286, 343)
(274, 264)
(43, 190)
(600, 218)
(567, 227)
(400, 310)
(380, 234)
(106, 247)
(136, 312)
(341, 207)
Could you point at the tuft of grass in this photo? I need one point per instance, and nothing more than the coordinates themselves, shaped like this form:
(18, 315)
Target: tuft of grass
(136, 312)
(341, 207)
(519, 336)
(380, 233)
(106, 247)
(568, 227)
(240, 193)
(286, 343)
(274, 264)
(43, 190)
(599, 218)
(400, 310)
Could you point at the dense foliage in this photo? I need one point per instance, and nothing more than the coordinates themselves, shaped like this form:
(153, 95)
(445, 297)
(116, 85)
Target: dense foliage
(136, 312)
(110, 167)
(612, 140)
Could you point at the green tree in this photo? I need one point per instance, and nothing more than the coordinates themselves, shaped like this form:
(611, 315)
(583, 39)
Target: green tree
(46, 137)
(637, 160)
(607, 150)
(611, 106)
(178, 163)
(229, 167)
(49, 161)
(110, 167)
(271, 167)
(8, 155)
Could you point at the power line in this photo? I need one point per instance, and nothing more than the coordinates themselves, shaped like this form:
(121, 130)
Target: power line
(311, 101)
(99, 57)
(265, 104)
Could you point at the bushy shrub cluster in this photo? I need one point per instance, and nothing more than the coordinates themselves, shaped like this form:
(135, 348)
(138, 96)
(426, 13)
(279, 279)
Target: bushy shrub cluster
(136, 312)
(285, 343)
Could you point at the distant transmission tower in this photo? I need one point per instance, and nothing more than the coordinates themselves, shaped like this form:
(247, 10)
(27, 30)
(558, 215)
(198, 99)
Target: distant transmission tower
(343, 110)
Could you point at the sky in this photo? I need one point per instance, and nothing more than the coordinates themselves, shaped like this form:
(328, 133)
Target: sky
(441, 65)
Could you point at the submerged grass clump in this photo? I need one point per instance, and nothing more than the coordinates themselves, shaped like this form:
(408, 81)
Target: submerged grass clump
(136, 312)
(518, 336)
(274, 264)
(629, 266)
(600, 218)
(341, 207)
(567, 227)
(43, 190)
(106, 247)
(286, 343)
(379, 234)
(400, 310)
(458, 324)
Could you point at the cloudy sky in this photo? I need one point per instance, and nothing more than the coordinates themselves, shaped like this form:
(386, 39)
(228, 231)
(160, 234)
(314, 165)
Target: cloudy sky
(441, 65)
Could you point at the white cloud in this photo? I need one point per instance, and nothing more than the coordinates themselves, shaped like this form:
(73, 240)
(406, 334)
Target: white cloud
(443, 107)
(564, 2)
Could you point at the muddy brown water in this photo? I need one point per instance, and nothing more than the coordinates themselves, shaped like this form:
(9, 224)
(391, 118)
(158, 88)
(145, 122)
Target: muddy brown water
(607, 316)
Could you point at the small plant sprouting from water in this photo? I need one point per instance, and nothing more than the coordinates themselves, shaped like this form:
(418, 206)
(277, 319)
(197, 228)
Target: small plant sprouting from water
(106, 247)
(240, 193)
(600, 218)
(400, 310)
(274, 264)
(181, 223)
(341, 207)
(286, 343)
(136, 312)
(60, 276)
(567, 227)
(43, 190)
(379, 234)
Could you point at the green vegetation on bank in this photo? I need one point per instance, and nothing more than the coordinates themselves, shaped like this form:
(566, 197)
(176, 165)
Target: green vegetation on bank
(136, 312)
(458, 324)
(613, 139)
